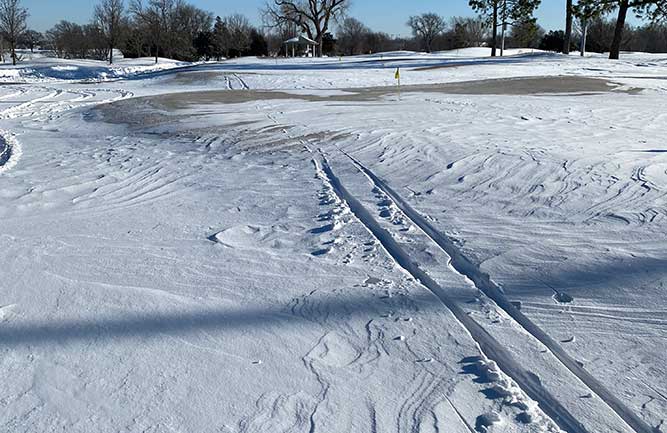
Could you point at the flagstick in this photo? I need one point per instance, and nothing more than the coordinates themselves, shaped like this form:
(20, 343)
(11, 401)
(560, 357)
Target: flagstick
(398, 78)
(399, 87)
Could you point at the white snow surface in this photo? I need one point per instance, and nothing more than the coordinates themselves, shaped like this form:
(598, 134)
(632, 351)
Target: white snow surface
(272, 245)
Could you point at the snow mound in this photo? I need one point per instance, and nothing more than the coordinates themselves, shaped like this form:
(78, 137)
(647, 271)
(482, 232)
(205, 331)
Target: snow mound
(48, 69)
(254, 236)
(240, 236)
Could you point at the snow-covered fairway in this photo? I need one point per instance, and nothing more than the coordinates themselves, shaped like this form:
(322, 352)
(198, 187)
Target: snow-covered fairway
(285, 246)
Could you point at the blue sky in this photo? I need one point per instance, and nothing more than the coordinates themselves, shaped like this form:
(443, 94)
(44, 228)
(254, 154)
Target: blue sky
(381, 15)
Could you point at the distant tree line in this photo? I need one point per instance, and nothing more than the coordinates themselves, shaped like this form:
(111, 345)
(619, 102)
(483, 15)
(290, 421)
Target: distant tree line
(179, 30)
(160, 28)
(599, 32)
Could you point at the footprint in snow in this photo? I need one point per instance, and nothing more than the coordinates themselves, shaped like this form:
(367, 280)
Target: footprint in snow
(484, 422)
(323, 229)
(6, 312)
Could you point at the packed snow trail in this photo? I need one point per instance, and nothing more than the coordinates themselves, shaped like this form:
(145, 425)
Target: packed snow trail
(488, 345)
(485, 284)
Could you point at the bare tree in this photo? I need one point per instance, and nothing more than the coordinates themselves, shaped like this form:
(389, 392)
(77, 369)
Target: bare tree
(186, 24)
(352, 36)
(155, 16)
(469, 31)
(31, 39)
(13, 19)
(109, 15)
(2, 49)
(568, 26)
(312, 17)
(238, 33)
(427, 27)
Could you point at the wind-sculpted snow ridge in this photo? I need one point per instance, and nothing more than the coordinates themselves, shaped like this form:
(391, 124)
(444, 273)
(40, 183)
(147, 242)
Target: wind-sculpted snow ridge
(500, 363)
(10, 151)
(485, 284)
(45, 103)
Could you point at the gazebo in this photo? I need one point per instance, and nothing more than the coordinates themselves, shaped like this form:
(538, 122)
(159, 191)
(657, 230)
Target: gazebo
(296, 44)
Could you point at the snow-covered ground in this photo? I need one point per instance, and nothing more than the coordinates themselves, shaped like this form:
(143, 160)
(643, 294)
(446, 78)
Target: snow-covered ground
(290, 246)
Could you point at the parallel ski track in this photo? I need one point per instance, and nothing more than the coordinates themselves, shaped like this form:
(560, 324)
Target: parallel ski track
(488, 345)
(483, 282)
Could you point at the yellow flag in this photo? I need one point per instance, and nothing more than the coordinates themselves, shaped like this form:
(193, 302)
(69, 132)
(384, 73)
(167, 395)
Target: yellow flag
(397, 76)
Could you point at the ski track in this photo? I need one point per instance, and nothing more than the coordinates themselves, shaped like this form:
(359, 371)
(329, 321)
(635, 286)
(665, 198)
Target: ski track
(484, 283)
(234, 82)
(150, 183)
(488, 345)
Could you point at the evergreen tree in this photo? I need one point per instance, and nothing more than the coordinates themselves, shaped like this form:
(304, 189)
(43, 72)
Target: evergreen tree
(220, 38)
(258, 45)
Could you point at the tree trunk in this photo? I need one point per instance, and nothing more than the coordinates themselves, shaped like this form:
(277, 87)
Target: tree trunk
(13, 54)
(584, 37)
(615, 50)
(494, 42)
(568, 27)
(502, 44)
(111, 55)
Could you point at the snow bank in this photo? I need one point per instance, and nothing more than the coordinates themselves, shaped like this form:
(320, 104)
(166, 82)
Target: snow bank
(48, 69)
(10, 151)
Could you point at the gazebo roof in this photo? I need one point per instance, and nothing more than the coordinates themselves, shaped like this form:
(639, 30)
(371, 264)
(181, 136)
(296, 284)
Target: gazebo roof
(300, 40)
